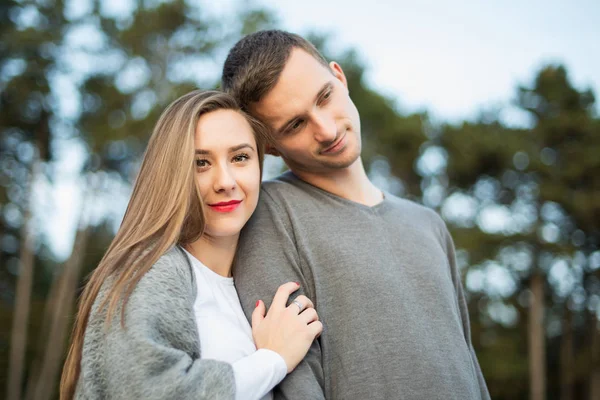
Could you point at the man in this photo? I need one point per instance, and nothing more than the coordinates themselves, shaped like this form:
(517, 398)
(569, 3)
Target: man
(380, 270)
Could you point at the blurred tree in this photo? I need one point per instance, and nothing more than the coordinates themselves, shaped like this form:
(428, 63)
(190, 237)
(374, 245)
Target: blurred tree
(26, 63)
(526, 208)
(564, 158)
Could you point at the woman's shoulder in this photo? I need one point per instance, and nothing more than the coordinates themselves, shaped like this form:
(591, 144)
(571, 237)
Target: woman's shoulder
(163, 298)
(173, 262)
(171, 272)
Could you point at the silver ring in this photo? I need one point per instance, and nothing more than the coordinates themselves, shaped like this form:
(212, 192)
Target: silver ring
(300, 306)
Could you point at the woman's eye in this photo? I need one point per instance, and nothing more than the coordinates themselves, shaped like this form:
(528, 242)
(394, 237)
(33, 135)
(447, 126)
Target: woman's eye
(240, 158)
(201, 163)
(327, 95)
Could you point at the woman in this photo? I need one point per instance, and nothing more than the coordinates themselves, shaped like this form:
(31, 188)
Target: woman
(159, 317)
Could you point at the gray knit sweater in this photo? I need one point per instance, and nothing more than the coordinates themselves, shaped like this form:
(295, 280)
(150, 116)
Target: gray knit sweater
(157, 355)
(387, 288)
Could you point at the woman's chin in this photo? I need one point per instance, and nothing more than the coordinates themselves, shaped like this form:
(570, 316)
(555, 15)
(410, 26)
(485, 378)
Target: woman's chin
(224, 230)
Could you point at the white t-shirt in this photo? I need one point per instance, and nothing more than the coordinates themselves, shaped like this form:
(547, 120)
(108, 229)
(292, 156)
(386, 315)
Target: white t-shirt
(226, 335)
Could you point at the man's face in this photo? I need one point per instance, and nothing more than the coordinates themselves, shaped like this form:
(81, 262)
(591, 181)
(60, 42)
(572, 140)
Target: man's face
(315, 123)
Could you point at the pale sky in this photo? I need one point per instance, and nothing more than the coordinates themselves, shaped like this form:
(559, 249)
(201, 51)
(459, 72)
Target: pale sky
(455, 57)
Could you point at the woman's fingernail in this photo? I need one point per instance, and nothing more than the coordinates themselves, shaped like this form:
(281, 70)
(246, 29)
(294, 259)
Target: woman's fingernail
(297, 283)
(257, 303)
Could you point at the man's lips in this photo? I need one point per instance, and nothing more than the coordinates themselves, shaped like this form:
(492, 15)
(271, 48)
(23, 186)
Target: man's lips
(334, 147)
(225, 206)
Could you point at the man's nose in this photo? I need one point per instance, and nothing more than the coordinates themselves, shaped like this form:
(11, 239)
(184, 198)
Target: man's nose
(324, 127)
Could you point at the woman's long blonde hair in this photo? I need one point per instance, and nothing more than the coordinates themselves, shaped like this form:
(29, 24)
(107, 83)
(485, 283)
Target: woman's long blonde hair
(165, 209)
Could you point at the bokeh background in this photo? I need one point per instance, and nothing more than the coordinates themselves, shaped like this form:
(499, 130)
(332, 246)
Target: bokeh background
(483, 111)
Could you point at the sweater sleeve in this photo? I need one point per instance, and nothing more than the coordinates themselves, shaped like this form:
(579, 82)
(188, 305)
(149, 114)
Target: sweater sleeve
(267, 258)
(156, 355)
(462, 307)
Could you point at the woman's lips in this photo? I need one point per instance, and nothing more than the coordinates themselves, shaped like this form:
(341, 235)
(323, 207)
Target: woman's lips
(225, 206)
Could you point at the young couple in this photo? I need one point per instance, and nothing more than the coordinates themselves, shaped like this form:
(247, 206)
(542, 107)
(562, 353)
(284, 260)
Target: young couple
(161, 317)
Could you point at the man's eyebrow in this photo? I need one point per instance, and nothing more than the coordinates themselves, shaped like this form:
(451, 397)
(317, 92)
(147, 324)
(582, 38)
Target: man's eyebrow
(327, 86)
(230, 150)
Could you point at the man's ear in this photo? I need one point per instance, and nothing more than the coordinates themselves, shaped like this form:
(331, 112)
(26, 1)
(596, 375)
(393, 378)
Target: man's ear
(271, 150)
(337, 71)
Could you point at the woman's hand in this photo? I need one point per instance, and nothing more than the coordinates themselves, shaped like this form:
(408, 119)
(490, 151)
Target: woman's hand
(287, 330)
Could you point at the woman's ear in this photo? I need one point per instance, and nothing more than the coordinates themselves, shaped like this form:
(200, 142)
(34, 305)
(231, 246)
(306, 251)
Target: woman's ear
(337, 71)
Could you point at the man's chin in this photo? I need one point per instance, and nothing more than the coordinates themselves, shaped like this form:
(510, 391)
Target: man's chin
(341, 165)
(324, 164)
(343, 161)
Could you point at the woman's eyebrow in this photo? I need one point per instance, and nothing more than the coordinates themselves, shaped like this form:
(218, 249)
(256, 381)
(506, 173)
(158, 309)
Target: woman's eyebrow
(232, 149)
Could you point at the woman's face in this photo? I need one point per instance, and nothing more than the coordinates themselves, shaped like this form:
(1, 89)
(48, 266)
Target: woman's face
(227, 170)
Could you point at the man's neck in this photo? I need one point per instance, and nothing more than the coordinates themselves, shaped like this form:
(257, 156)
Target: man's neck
(216, 253)
(350, 183)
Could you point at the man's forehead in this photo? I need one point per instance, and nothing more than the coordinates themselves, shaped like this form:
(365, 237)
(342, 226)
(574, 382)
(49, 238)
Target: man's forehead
(276, 110)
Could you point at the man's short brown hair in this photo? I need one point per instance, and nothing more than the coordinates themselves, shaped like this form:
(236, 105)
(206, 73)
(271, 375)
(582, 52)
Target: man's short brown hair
(254, 64)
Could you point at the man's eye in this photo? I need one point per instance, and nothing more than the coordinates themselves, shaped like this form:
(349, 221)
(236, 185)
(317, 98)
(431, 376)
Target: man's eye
(296, 125)
(326, 96)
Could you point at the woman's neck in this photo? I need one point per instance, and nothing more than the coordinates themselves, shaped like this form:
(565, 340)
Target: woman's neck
(216, 253)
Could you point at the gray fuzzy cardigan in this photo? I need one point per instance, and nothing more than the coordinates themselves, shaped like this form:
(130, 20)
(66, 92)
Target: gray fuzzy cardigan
(157, 355)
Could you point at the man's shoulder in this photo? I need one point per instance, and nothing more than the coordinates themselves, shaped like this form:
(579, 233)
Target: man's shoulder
(283, 183)
(409, 205)
(415, 212)
(285, 191)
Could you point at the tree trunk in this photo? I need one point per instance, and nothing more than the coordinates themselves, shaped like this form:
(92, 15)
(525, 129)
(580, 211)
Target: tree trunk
(18, 339)
(49, 373)
(567, 358)
(595, 370)
(537, 342)
(36, 364)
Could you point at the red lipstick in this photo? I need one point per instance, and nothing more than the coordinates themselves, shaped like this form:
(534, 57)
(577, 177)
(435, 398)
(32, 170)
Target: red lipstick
(225, 206)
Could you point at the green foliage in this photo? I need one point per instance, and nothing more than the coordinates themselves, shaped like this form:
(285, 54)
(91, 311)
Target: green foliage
(478, 149)
(548, 176)
(257, 19)
(566, 147)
